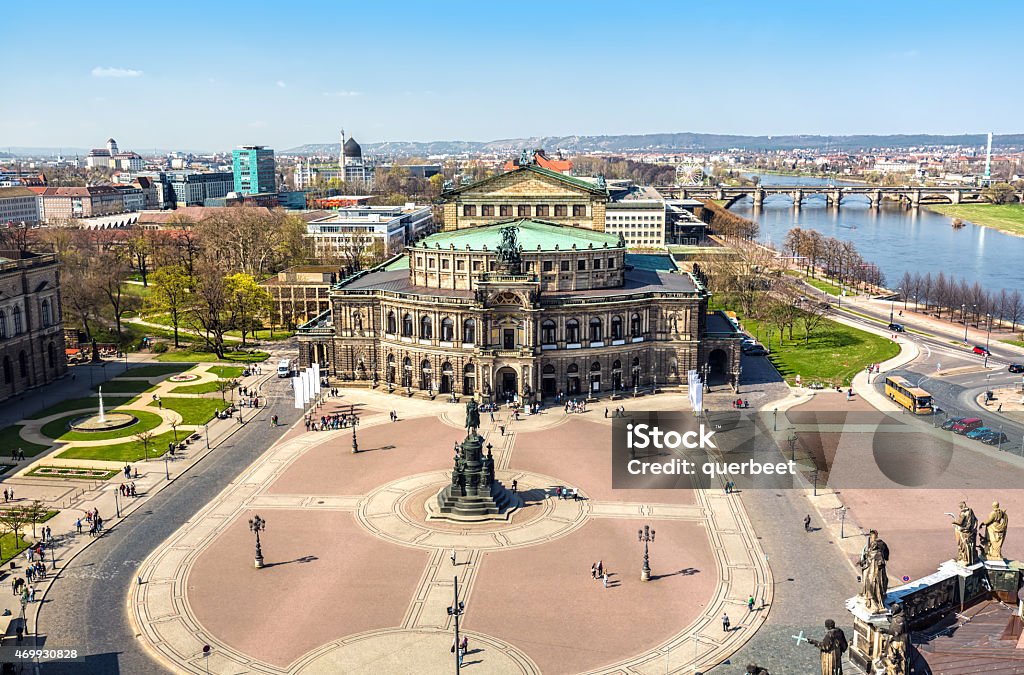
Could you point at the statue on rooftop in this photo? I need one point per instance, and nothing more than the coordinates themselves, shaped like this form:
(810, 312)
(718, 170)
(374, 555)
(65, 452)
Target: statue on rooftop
(992, 532)
(601, 182)
(524, 158)
(472, 417)
(965, 526)
(874, 579)
(508, 250)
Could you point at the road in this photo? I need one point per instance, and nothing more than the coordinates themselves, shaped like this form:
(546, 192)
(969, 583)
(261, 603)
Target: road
(86, 608)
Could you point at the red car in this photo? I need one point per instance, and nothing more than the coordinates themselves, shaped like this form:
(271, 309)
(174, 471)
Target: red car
(981, 351)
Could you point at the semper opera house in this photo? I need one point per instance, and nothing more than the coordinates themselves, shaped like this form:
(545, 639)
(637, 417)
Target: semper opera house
(521, 296)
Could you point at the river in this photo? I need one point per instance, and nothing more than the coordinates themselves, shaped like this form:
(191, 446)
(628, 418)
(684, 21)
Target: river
(893, 237)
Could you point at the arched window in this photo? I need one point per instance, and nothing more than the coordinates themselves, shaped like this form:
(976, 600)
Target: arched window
(8, 371)
(573, 368)
(595, 330)
(3, 324)
(406, 372)
(635, 325)
(595, 367)
(51, 353)
(407, 325)
(469, 331)
(17, 320)
(549, 369)
(616, 327)
(447, 329)
(426, 331)
(572, 331)
(47, 319)
(389, 376)
(22, 364)
(547, 332)
(468, 379)
(392, 323)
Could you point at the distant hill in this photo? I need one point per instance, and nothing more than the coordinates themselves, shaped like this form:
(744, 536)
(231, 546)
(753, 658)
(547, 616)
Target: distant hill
(666, 143)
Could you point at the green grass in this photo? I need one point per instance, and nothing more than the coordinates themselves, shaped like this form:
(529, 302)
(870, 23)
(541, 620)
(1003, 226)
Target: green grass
(118, 386)
(72, 473)
(130, 451)
(10, 548)
(209, 357)
(154, 369)
(835, 352)
(227, 372)
(10, 439)
(58, 428)
(91, 403)
(201, 388)
(264, 334)
(1005, 217)
(1015, 343)
(192, 410)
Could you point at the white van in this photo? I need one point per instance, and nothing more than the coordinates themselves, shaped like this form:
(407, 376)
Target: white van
(284, 368)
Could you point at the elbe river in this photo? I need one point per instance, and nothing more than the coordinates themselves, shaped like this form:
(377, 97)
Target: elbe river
(895, 238)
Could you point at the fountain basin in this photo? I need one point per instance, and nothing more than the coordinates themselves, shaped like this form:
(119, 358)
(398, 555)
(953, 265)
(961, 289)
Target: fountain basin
(111, 421)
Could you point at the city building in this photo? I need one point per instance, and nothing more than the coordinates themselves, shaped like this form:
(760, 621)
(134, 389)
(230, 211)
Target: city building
(540, 158)
(300, 294)
(31, 326)
(194, 188)
(62, 204)
(351, 163)
(18, 205)
(529, 191)
(254, 171)
(641, 222)
(376, 230)
(522, 307)
(111, 158)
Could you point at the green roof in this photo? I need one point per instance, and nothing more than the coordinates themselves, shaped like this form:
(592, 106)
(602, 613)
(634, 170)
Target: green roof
(398, 263)
(533, 234)
(656, 262)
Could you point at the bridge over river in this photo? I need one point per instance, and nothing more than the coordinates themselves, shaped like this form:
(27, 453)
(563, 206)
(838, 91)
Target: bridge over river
(913, 196)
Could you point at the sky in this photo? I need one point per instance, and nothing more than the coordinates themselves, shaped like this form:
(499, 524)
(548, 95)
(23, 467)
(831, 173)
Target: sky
(215, 75)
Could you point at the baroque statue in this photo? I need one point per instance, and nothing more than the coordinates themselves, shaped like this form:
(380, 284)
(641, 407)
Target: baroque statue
(894, 656)
(965, 527)
(832, 647)
(508, 250)
(874, 579)
(992, 532)
(472, 417)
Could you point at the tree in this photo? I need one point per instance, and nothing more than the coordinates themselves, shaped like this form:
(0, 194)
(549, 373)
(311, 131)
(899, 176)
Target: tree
(248, 302)
(140, 248)
(112, 272)
(254, 241)
(13, 519)
(209, 311)
(145, 437)
(35, 512)
(224, 386)
(999, 193)
(171, 293)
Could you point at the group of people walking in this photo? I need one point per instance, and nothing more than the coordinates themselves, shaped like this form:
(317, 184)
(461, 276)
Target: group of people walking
(329, 422)
(599, 573)
(574, 406)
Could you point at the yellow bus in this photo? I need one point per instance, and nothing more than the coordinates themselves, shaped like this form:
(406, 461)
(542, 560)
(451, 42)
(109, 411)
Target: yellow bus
(914, 399)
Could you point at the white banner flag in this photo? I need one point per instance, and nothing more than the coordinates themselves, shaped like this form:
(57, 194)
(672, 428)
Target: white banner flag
(316, 378)
(298, 393)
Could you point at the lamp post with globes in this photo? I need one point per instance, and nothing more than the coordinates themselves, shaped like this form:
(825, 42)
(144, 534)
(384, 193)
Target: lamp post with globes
(963, 315)
(257, 525)
(457, 609)
(353, 420)
(646, 536)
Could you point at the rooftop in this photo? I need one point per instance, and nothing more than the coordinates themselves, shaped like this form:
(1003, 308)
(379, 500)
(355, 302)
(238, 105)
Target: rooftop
(16, 191)
(533, 235)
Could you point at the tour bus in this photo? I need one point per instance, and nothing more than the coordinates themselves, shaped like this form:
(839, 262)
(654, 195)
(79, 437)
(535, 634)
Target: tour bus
(914, 399)
(284, 368)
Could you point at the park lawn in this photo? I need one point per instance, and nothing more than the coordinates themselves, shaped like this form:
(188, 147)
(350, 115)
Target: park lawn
(58, 428)
(195, 411)
(119, 386)
(129, 451)
(201, 388)
(154, 369)
(210, 357)
(834, 354)
(226, 372)
(824, 286)
(1005, 217)
(272, 334)
(90, 403)
(10, 439)
(11, 549)
(1015, 343)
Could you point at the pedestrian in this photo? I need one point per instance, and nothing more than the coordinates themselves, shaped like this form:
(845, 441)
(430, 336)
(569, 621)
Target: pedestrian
(600, 568)
(1000, 408)
(604, 578)
(465, 644)
(725, 622)
(593, 570)
(49, 533)
(78, 525)
(807, 523)
(606, 413)
(5, 495)
(558, 491)
(515, 486)
(502, 427)
(750, 604)
(453, 557)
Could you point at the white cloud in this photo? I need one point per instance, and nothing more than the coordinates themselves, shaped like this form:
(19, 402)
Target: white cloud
(258, 124)
(100, 71)
(343, 93)
(281, 84)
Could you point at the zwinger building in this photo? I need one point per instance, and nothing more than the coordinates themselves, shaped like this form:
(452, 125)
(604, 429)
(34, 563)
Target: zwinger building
(523, 294)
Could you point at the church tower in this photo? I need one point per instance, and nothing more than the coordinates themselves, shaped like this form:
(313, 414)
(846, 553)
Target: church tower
(341, 151)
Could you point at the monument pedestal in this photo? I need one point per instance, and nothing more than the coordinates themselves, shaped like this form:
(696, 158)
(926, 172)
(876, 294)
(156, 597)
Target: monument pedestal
(474, 494)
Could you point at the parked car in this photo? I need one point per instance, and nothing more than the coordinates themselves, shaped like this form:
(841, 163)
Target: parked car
(948, 424)
(1016, 368)
(755, 350)
(979, 433)
(966, 424)
(748, 342)
(981, 351)
(995, 438)
(897, 327)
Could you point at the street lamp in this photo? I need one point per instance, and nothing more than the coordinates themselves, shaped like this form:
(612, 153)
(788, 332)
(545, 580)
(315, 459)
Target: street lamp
(892, 304)
(792, 446)
(963, 315)
(354, 420)
(842, 521)
(167, 473)
(646, 536)
(257, 524)
(207, 427)
(775, 419)
(988, 335)
(457, 609)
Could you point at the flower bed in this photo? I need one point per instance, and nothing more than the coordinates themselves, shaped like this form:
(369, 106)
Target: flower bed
(183, 377)
(79, 473)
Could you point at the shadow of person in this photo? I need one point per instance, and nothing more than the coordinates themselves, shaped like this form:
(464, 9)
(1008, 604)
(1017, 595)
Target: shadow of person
(303, 559)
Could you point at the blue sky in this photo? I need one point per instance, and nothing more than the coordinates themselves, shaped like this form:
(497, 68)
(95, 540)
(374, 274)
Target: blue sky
(213, 75)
